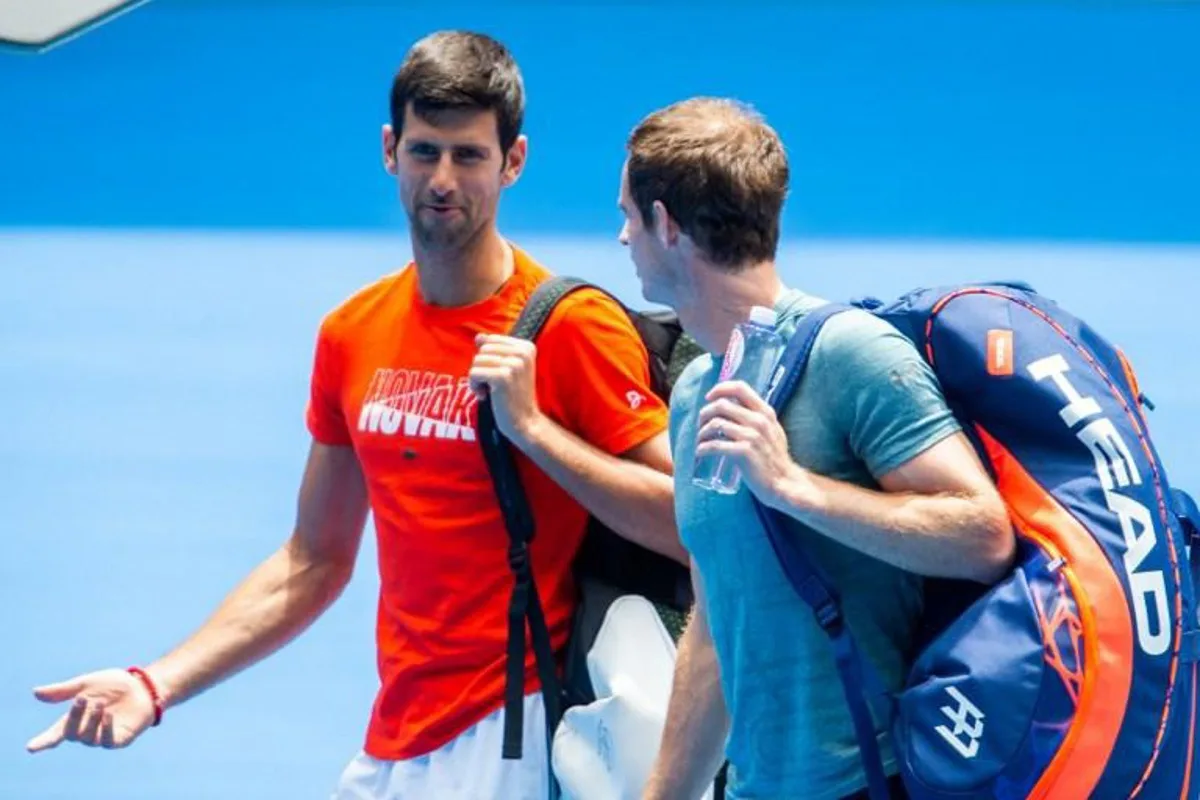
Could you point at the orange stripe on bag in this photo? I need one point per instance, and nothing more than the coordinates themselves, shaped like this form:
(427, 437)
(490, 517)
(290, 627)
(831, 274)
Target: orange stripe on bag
(1108, 628)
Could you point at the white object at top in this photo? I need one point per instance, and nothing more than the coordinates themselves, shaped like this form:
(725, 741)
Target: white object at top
(41, 22)
(761, 315)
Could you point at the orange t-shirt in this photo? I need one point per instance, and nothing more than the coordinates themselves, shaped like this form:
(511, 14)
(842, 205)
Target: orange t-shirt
(389, 379)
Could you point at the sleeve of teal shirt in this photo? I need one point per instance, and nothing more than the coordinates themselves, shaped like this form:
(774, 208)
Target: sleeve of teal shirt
(879, 392)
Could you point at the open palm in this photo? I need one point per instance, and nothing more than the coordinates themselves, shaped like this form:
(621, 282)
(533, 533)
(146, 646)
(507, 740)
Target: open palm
(109, 708)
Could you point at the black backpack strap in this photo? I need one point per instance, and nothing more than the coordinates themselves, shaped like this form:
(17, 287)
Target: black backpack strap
(542, 302)
(524, 603)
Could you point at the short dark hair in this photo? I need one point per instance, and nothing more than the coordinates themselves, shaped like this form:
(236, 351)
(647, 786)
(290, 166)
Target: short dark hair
(720, 171)
(458, 71)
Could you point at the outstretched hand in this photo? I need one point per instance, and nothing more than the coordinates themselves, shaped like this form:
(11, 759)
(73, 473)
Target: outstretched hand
(109, 709)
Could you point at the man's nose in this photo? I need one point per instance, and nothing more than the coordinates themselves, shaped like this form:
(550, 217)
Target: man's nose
(442, 182)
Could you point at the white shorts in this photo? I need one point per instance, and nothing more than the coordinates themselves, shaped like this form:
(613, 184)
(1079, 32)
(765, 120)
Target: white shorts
(468, 768)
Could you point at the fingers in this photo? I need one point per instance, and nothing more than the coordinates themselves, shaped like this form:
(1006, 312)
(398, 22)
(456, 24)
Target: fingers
(58, 692)
(728, 428)
(507, 346)
(482, 339)
(494, 361)
(65, 728)
(729, 411)
(725, 418)
(496, 343)
(49, 738)
(88, 722)
(492, 371)
(482, 378)
(729, 447)
(89, 725)
(498, 361)
(75, 718)
(108, 739)
(741, 392)
(725, 430)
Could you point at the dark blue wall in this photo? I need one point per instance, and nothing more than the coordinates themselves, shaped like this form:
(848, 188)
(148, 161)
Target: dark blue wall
(984, 120)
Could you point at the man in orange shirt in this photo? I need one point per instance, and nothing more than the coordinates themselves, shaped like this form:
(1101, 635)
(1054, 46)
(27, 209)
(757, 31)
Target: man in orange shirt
(398, 370)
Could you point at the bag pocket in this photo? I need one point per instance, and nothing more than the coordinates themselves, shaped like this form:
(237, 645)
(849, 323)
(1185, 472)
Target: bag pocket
(989, 701)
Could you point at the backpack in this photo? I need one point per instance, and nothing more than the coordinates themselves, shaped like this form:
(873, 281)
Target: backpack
(607, 566)
(1075, 676)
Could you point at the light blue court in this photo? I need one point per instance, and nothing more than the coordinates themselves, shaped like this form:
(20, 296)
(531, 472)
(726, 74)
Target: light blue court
(186, 191)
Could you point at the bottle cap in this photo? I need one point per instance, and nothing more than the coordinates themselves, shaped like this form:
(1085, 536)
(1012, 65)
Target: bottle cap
(761, 315)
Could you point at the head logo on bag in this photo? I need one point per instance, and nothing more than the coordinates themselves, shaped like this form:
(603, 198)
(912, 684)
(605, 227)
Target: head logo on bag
(1075, 676)
(1117, 469)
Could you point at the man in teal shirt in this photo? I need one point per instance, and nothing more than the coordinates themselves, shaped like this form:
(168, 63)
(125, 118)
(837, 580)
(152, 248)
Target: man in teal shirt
(867, 463)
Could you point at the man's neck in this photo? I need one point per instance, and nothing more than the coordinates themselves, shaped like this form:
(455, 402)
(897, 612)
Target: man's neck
(463, 276)
(723, 299)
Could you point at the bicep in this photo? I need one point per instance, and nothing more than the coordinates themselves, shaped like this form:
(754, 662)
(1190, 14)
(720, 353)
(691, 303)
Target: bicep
(951, 470)
(883, 400)
(949, 467)
(332, 504)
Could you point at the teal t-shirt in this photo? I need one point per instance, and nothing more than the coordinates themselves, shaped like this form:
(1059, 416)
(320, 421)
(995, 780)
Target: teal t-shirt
(867, 404)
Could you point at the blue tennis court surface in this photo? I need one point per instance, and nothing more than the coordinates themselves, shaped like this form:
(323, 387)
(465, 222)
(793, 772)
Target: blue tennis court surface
(154, 390)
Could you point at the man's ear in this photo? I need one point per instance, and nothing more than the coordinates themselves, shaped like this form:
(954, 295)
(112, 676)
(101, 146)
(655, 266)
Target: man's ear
(514, 161)
(665, 227)
(389, 150)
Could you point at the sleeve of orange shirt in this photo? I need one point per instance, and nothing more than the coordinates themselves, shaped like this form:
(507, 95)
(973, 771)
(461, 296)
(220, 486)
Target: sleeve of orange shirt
(594, 374)
(323, 415)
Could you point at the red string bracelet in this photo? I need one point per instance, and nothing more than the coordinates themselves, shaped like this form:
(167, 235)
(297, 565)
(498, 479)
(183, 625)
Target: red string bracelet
(141, 675)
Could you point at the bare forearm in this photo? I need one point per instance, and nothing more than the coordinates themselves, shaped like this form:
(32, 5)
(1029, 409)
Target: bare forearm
(277, 601)
(945, 535)
(633, 499)
(693, 742)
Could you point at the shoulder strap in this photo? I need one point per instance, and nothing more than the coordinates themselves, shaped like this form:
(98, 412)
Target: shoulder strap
(524, 602)
(669, 348)
(543, 301)
(858, 676)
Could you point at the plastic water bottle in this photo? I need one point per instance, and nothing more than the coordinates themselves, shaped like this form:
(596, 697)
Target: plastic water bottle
(753, 351)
